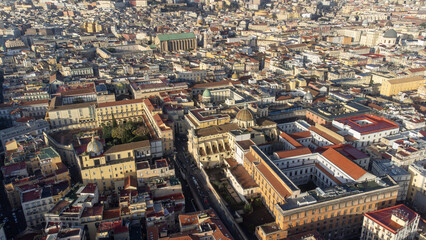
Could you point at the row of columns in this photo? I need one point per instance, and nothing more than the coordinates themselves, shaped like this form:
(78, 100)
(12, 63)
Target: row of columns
(182, 44)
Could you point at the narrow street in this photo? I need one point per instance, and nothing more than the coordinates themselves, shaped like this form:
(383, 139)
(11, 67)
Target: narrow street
(205, 195)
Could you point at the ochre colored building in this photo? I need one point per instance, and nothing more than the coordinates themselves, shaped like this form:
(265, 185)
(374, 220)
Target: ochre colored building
(336, 211)
(110, 168)
(394, 86)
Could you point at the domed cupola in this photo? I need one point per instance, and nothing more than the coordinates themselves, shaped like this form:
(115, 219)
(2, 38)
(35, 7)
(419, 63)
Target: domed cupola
(308, 98)
(245, 118)
(207, 96)
(95, 147)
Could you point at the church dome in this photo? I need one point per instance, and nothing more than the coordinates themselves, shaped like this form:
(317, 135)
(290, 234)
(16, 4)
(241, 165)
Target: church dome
(390, 34)
(308, 96)
(94, 147)
(245, 115)
(235, 76)
(207, 93)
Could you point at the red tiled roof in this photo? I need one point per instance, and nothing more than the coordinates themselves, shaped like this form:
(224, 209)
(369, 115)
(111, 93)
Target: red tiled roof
(186, 220)
(152, 233)
(213, 84)
(130, 183)
(111, 213)
(344, 164)
(346, 150)
(297, 135)
(245, 144)
(328, 174)
(78, 91)
(291, 140)
(293, 153)
(31, 195)
(324, 135)
(378, 124)
(93, 211)
(278, 185)
(250, 157)
(384, 217)
(89, 188)
(9, 169)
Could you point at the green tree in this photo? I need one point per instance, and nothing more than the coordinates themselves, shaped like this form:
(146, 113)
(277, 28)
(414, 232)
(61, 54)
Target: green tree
(257, 202)
(121, 133)
(140, 131)
(114, 122)
(106, 131)
(130, 126)
(247, 208)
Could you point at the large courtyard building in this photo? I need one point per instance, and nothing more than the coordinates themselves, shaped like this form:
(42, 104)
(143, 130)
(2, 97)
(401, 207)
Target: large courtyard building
(364, 130)
(334, 208)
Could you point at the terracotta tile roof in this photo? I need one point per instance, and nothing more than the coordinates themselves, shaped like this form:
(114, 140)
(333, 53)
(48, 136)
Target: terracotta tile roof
(214, 84)
(232, 162)
(89, 188)
(31, 195)
(416, 70)
(293, 153)
(93, 211)
(383, 217)
(152, 233)
(9, 169)
(243, 177)
(344, 164)
(328, 174)
(278, 185)
(297, 135)
(377, 124)
(250, 157)
(324, 135)
(186, 220)
(78, 91)
(245, 144)
(130, 183)
(291, 140)
(111, 213)
(375, 106)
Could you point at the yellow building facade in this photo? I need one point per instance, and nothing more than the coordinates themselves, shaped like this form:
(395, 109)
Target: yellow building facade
(335, 216)
(110, 168)
(122, 111)
(211, 146)
(394, 86)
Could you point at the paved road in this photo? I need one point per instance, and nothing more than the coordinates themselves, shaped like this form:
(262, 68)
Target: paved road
(12, 227)
(204, 193)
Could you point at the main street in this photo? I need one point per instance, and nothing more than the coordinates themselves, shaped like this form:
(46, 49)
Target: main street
(203, 195)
